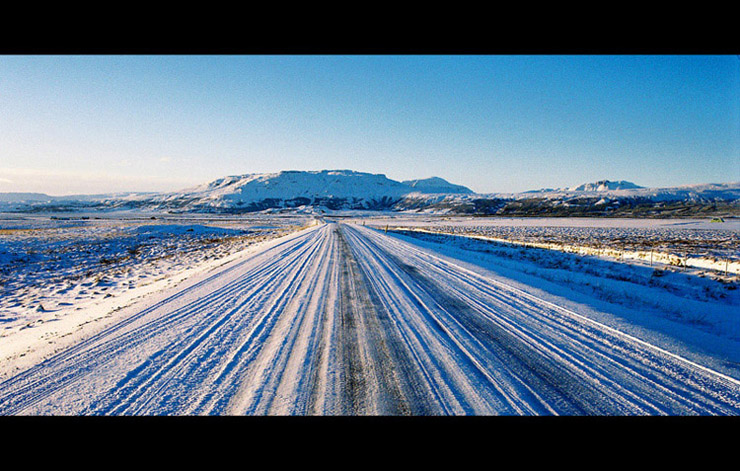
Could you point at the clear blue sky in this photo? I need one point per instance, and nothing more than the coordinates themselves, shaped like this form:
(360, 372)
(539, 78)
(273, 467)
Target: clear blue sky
(91, 124)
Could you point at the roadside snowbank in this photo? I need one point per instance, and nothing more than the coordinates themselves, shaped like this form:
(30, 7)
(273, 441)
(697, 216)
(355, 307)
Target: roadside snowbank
(692, 316)
(54, 282)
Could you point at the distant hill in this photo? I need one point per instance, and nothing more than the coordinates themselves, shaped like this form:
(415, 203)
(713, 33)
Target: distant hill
(436, 185)
(18, 197)
(605, 185)
(44, 202)
(702, 200)
(601, 185)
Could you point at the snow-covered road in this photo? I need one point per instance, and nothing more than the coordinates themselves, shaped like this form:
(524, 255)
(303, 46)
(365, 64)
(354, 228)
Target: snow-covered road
(342, 319)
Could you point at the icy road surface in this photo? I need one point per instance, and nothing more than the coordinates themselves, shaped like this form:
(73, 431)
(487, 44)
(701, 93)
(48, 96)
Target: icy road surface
(342, 319)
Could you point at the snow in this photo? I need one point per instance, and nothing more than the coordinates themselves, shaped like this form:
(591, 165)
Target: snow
(436, 185)
(298, 315)
(328, 190)
(608, 192)
(604, 185)
(56, 274)
(180, 229)
(241, 190)
(606, 189)
(695, 243)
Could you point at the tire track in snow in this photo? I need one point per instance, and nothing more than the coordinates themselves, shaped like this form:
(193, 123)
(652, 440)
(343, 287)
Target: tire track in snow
(630, 375)
(397, 387)
(344, 320)
(185, 311)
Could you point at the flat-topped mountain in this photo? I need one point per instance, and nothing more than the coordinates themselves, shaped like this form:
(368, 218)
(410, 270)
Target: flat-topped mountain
(332, 189)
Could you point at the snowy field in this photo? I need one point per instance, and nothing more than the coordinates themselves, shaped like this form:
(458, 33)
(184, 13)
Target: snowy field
(667, 265)
(708, 248)
(61, 268)
(318, 317)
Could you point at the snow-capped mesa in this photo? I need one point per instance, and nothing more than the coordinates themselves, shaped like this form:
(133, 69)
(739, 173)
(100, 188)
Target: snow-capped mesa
(333, 189)
(604, 185)
(436, 185)
(291, 184)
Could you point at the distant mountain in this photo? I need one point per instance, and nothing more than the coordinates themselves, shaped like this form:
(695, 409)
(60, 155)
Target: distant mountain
(19, 197)
(622, 190)
(44, 202)
(601, 185)
(435, 185)
(325, 189)
(331, 190)
(605, 185)
(710, 199)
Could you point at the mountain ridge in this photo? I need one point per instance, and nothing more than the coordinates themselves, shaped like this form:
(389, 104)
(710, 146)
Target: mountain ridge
(332, 190)
(293, 188)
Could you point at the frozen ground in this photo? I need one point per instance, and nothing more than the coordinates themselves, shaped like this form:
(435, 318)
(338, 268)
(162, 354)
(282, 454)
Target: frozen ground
(345, 319)
(74, 268)
(730, 224)
(707, 248)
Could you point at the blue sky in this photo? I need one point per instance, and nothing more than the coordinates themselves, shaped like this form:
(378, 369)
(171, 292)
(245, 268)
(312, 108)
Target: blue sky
(91, 124)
